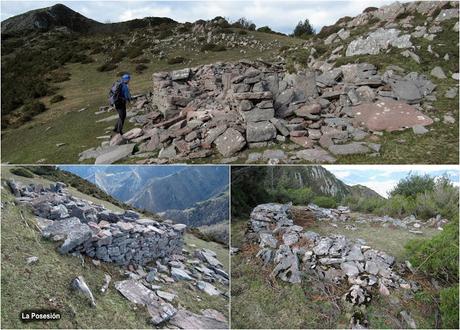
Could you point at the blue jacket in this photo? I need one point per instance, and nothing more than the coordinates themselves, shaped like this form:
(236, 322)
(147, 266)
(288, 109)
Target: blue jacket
(125, 94)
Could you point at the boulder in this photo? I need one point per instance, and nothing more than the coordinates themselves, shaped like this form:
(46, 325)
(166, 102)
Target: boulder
(230, 142)
(260, 131)
(184, 319)
(208, 288)
(349, 149)
(389, 115)
(113, 155)
(315, 155)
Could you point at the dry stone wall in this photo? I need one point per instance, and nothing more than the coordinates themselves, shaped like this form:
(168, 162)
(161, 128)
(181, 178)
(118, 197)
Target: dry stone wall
(91, 229)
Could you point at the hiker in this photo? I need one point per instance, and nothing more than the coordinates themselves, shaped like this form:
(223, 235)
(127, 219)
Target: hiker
(118, 96)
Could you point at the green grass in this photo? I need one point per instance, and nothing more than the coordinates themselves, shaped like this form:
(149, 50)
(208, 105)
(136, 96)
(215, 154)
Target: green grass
(88, 88)
(375, 235)
(46, 284)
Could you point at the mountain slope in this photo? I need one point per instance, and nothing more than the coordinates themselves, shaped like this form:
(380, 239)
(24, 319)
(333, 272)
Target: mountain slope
(182, 189)
(61, 16)
(47, 18)
(317, 178)
(208, 212)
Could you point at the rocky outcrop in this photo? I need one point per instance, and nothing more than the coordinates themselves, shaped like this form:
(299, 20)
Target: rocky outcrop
(91, 229)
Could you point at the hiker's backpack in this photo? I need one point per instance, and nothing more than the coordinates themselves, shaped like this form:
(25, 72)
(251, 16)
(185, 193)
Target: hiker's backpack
(115, 92)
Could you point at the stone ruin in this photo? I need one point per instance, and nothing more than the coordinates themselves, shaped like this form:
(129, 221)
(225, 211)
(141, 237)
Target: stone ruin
(296, 253)
(152, 251)
(342, 214)
(91, 229)
(225, 108)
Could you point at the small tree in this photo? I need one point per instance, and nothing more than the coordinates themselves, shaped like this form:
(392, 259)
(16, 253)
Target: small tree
(414, 184)
(303, 29)
(244, 23)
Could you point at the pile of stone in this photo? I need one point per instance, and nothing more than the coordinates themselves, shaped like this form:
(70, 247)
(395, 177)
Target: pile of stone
(296, 253)
(202, 270)
(225, 108)
(91, 229)
(341, 213)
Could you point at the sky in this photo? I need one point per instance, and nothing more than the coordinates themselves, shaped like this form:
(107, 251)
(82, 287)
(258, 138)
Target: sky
(383, 178)
(281, 16)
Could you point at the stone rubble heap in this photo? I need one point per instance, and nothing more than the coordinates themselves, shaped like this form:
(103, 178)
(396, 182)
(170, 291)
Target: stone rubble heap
(227, 107)
(296, 253)
(91, 229)
(342, 214)
(202, 270)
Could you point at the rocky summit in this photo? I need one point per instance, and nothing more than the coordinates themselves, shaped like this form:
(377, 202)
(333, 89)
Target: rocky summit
(295, 254)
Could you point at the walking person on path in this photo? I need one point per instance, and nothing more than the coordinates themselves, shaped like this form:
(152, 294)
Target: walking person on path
(118, 96)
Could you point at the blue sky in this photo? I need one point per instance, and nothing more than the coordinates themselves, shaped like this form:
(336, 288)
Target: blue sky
(279, 15)
(383, 178)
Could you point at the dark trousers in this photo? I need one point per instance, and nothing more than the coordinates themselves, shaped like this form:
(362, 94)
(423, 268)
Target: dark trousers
(121, 109)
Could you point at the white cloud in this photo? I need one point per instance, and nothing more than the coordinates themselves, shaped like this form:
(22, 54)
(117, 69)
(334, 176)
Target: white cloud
(279, 15)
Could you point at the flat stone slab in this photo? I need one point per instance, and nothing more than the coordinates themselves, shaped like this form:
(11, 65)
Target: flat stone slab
(230, 142)
(389, 115)
(136, 292)
(188, 320)
(316, 155)
(115, 154)
(349, 149)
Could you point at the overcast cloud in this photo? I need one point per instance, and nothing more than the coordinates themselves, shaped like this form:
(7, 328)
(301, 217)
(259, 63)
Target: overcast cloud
(279, 15)
(383, 178)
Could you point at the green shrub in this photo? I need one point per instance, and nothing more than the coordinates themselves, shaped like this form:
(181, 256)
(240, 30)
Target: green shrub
(325, 201)
(141, 60)
(56, 98)
(58, 76)
(265, 29)
(212, 47)
(33, 108)
(176, 60)
(437, 256)
(242, 32)
(140, 68)
(449, 307)
(414, 184)
(165, 34)
(20, 171)
(108, 66)
(134, 52)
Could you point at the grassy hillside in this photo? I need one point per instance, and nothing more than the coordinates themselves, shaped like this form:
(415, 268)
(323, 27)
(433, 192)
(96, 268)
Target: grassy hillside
(88, 88)
(46, 284)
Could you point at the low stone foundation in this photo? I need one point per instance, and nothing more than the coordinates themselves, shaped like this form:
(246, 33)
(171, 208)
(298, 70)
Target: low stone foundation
(91, 229)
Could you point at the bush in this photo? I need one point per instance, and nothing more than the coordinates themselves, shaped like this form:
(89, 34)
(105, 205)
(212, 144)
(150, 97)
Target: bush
(437, 256)
(265, 29)
(244, 23)
(134, 52)
(56, 98)
(165, 34)
(413, 185)
(212, 47)
(20, 171)
(140, 68)
(449, 307)
(141, 60)
(325, 201)
(58, 76)
(33, 108)
(108, 66)
(303, 29)
(176, 60)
